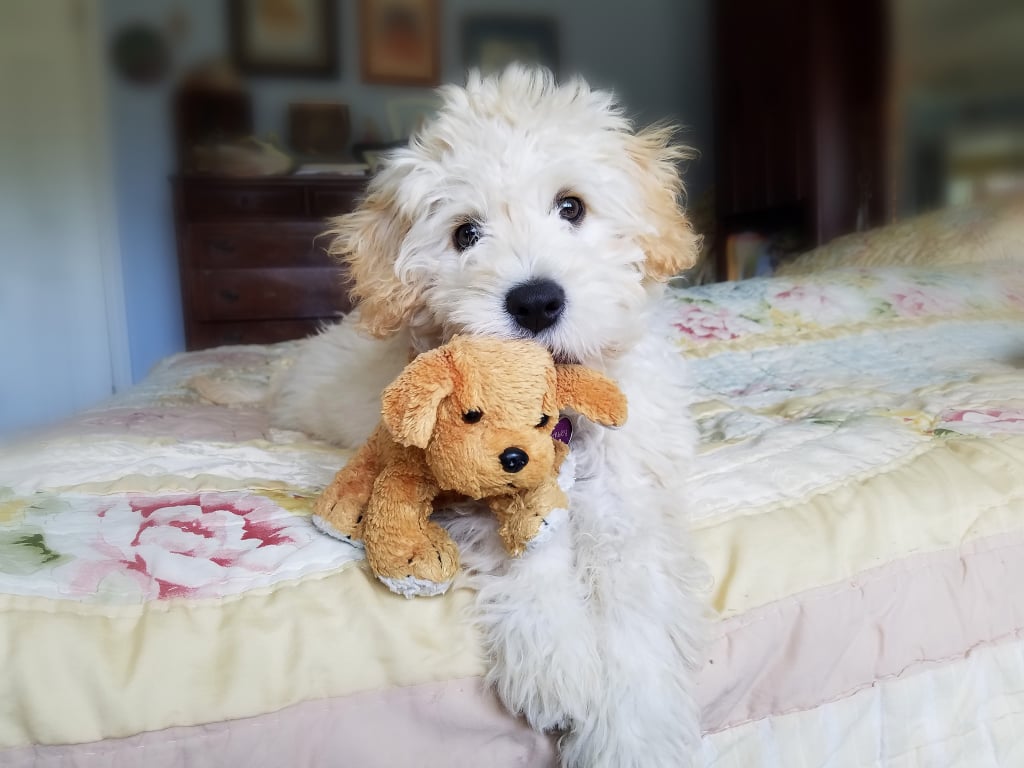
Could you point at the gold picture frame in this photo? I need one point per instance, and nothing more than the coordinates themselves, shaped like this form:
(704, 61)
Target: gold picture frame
(284, 38)
(400, 41)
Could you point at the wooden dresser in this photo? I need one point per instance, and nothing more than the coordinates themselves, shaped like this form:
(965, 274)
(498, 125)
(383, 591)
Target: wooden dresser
(253, 262)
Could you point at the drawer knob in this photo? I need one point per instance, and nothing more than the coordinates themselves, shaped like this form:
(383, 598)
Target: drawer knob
(229, 294)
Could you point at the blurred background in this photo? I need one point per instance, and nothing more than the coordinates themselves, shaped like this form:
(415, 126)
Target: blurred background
(165, 165)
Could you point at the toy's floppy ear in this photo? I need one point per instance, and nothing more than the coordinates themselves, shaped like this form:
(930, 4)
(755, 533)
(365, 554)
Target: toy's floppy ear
(592, 394)
(409, 404)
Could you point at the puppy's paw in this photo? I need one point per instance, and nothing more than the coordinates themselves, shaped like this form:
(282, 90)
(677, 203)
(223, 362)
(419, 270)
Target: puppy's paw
(326, 527)
(410, 587)
(555, 519)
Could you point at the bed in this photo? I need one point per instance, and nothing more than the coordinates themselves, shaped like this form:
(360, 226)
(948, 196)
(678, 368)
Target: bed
(858, 494)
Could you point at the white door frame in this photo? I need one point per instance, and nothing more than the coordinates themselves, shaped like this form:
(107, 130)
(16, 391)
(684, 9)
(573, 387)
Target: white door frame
(95, 63)
(64, 330)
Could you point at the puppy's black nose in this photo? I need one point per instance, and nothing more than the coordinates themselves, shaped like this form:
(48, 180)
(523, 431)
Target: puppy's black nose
(536, 305)
(513, 459)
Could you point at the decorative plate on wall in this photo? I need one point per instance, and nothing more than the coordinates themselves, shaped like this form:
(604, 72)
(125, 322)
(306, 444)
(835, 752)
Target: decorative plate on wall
(140, 54)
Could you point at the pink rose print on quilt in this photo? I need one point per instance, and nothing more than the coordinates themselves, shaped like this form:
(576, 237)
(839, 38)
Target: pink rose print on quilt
(821, 304)
(706, 322)
(1015, 297)
(915, 302)
(197, 545)
(983, 421)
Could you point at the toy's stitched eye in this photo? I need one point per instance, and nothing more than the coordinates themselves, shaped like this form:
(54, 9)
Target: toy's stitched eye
(543, 421)
(472, 417)
(571, 209)
(466, 235)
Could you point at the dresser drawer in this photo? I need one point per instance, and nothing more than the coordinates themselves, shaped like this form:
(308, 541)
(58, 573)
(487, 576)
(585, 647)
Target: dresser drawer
(242, 245)
(213, 201)
(252, 256)
(267, 294)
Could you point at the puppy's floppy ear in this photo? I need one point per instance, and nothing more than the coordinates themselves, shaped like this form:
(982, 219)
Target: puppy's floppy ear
(592, 394)
(673, 246)
(368, 241)
(409, 404)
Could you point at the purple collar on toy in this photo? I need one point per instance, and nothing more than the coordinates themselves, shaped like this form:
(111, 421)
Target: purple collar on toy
(563, 430)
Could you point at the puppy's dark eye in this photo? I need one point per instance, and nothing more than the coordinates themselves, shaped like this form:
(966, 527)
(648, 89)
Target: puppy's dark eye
(571, 209)
(543, 421)
(472, 417)
(466, 235)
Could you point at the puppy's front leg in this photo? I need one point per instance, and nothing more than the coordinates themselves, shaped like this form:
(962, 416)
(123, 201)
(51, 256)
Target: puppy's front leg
(645, 587)
(533, 619)
(599, 630)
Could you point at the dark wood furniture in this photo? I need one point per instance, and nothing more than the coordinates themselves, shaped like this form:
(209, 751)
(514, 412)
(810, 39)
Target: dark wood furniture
(801, 89)
(205, 116)
(252, 256)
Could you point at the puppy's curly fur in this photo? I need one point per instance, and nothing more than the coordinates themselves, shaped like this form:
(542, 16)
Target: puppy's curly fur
(599, 631)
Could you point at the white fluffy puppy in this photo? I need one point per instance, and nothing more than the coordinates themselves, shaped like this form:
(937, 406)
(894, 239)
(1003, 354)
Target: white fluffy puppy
(529, 209)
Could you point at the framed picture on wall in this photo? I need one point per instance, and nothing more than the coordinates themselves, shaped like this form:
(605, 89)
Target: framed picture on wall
(489, 43)
(400, 41)
(284, 38)
(319, 129)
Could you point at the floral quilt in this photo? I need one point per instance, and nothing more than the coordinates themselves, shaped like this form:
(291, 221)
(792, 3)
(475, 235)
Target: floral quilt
(858, 493)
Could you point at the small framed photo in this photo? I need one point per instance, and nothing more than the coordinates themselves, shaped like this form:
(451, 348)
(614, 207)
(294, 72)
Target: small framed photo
(318, 129)
(400, 41)
(490, 43)
(284, 38)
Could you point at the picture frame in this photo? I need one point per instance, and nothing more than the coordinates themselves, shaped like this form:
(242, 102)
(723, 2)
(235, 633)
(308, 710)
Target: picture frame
(490, 42)
(400, 42)
(319, 129)
(284, 38)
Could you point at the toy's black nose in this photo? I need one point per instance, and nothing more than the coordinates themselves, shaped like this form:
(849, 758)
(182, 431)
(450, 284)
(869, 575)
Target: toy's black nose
(536, 305)
(513, 459)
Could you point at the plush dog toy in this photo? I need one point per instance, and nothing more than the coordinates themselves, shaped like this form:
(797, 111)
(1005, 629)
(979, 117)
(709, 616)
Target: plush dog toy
(472, 418)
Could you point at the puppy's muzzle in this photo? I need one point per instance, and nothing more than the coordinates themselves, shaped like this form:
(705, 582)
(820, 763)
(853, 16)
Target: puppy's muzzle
(513, 459)
(536, 305)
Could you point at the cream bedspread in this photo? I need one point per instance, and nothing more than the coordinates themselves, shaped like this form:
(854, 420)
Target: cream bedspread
(859, 495)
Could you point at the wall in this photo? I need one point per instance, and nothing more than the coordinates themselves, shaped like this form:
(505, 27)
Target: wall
(653, 53)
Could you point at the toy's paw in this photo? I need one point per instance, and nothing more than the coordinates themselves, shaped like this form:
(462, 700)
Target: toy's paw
(410, 587)
(556, 519)
(424, 564)
(342, 511)
(326, 527)
(522, 535)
